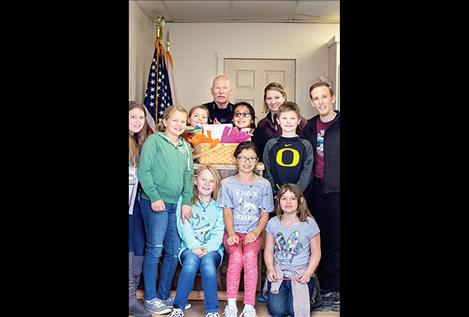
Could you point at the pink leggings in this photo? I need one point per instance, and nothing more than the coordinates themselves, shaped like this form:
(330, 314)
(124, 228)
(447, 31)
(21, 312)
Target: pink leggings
(242, 256)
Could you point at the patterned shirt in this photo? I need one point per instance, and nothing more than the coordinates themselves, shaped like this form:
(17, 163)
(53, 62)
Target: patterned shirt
(292, 244)
(247, 201)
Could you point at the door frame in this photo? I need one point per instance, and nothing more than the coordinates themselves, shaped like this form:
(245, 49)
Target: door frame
(221, 55)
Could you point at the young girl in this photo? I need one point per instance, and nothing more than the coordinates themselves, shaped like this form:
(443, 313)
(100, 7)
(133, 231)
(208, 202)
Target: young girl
(292, 252)
(244, 117)
(137, 135)
(198, 116)
(201, 243)
(165, 172)
(246, 199)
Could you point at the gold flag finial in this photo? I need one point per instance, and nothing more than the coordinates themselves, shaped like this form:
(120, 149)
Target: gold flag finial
(168, 43)
(160, 22)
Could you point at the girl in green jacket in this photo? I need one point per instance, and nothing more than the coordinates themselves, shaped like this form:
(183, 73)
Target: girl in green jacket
(165, 172)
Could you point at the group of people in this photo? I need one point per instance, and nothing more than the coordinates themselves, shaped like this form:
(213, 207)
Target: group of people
(198, 218)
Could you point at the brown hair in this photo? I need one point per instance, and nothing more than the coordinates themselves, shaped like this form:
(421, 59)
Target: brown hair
(246, 145)
(289, 106)
(320, 84)
(303, 211)
(199, 107)
(136, 140)
(167, 113)
(251, 111)
(273, 86)
(216, 182)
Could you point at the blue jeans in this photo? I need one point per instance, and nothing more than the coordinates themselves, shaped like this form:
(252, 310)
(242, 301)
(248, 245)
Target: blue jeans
(136, 230)
(281, 304)
(191, 263)
(161, 230)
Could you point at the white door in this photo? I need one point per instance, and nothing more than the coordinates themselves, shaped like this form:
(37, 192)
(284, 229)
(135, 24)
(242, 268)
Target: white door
(248, 78)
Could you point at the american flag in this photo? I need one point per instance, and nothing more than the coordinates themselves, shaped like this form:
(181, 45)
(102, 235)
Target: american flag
(158, 94)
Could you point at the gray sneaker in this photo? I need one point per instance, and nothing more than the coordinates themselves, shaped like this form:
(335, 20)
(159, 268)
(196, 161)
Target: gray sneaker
(331, 302)
(332, 298)
(212, 315)
(170, 301)
(157, 307)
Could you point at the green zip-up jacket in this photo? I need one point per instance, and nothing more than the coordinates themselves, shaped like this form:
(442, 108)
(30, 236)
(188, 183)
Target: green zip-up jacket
(165, 171)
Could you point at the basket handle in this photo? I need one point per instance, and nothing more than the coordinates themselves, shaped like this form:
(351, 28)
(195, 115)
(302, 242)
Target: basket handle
(206, 152)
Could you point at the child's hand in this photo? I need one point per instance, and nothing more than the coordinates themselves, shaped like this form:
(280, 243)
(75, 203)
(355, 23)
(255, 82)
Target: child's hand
(304, 277)
(233, 239)
(186, 212)
(200, 252)
(204, 252)
(271, 275)
(250, 237)
(158, 205)
(215, 121)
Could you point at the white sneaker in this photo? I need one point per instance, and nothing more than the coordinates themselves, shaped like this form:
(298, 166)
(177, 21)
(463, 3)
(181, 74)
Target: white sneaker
(248, 312)
(177, 312)
(231, 311)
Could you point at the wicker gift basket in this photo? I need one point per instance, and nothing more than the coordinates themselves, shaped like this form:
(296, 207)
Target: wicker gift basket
(222, 153)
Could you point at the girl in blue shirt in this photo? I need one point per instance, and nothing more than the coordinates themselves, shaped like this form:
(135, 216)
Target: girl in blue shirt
(202, 247)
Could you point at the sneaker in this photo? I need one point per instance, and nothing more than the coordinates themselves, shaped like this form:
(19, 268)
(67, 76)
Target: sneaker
(248, 312)
(177, 312)
(230, 311)
(170, 301)
(212, 315)
(335, 308)
(332, 298)
(156, 307)
(324, 307)
(261, 299)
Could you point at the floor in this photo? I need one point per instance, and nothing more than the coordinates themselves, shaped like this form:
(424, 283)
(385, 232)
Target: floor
(197, 310)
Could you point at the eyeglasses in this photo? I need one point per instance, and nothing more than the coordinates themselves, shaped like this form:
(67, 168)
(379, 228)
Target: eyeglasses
(242, 114)
(245, 159)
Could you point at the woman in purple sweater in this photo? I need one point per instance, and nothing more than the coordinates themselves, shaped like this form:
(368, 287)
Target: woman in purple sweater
(267, 128)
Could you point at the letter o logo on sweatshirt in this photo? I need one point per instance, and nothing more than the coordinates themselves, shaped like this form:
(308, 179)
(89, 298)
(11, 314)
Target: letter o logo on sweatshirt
(295, 161)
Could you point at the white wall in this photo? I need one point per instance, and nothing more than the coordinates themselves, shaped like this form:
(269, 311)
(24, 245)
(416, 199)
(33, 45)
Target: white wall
(194, 47)
(141, 48)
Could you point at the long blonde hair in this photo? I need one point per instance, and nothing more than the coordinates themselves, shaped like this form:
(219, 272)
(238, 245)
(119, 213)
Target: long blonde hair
(136, 140)
(302, 211)
(216, 182)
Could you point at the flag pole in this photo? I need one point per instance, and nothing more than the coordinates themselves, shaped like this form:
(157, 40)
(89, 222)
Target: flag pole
(160, 22)
(168, 49)
(158, 95)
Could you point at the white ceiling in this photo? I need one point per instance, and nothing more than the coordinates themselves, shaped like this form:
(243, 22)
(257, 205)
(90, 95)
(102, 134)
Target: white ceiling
(281, 11)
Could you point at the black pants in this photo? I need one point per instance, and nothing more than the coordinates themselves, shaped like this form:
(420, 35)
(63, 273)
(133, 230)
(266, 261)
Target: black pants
(325, 209)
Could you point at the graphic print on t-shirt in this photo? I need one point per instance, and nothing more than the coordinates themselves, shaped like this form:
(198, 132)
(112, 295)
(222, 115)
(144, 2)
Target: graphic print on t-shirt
(248, 211)
(320, 148)
(288, 248)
